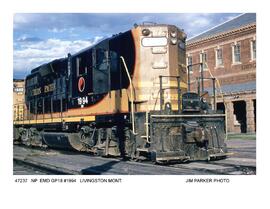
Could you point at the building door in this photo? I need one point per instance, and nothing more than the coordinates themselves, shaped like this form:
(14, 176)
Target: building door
(240, 113)
(221, 107)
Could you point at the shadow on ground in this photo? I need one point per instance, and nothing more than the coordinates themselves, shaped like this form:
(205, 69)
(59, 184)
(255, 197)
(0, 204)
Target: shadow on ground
(97, 170)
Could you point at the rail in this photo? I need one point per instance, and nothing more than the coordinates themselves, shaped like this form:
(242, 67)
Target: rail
(38, 113)
(132, 96)
(189, 67)
(200, 81)
(23, 116)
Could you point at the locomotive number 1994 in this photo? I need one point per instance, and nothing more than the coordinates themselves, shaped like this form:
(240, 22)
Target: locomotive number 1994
(82, 101)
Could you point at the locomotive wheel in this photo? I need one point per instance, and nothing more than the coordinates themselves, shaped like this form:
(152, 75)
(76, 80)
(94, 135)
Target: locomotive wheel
(16, 134)
(130, 144)
(24, 136)
(35, 137)
(86, 139)
(75, 141)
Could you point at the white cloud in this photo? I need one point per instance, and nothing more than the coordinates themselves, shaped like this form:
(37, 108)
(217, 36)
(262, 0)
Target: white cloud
(202, 22)
(19, 19)
(33, 54)
(22, 19)
(97, 38)
(61, 30)
(56, 30)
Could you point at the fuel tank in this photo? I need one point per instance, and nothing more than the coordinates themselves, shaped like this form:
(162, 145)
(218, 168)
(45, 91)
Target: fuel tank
(67, 141)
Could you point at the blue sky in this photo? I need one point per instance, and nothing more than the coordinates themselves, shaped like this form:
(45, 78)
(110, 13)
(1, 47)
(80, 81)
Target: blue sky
(41, 37)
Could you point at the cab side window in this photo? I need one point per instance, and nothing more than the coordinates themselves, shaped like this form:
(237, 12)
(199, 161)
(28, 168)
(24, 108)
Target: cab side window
(81, 65)
(116, 74)
(100, 71)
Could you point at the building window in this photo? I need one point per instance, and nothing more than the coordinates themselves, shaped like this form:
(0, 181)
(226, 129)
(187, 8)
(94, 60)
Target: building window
(236, 53)
(219, 57)
(189, 61)
(253, 49)
(203, 59)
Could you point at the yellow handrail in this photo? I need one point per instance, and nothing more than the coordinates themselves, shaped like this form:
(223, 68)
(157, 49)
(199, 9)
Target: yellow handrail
(132, 96)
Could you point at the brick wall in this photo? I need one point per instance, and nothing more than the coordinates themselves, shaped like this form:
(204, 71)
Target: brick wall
(229, 73)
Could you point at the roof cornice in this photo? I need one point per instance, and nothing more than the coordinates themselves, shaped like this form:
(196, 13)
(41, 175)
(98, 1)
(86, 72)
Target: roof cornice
(223, 35)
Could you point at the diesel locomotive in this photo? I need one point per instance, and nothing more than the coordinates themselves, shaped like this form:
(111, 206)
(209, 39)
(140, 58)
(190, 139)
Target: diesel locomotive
(126, 96)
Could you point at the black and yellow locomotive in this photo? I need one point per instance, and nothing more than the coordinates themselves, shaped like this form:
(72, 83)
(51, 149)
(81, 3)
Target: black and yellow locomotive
(125, 96)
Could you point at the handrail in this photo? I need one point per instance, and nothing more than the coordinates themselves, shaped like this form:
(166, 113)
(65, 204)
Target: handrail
(220, 89)
(132, 96)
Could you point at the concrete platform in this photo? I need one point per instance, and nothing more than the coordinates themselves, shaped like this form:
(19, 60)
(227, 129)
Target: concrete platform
(242, 148)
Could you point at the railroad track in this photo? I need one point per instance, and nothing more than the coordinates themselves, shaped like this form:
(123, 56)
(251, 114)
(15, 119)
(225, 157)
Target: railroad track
(67, 162)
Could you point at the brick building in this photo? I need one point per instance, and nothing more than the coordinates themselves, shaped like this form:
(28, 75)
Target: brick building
(18, 99)
(228, 52)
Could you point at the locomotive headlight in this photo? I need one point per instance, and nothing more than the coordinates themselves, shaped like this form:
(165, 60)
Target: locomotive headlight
(174, 41)
(173, 34)
(145, 32)
(183, 36)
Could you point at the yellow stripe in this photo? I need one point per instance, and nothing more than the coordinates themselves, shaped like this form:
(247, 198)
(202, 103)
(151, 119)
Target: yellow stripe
(151, 84)
(76, 119)
(56, 120)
